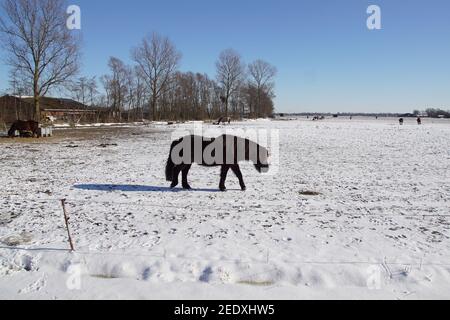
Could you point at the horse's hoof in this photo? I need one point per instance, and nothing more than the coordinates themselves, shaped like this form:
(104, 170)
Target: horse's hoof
(173, 186)
(187, 188)
(223, 189)
(244, 188)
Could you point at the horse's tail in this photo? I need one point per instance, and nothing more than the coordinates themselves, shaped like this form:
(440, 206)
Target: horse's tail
(170, 165)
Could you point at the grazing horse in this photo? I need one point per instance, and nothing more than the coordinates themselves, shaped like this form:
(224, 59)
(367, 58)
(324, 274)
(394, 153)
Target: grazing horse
(225, 151)
(224, 120)
(25, 128)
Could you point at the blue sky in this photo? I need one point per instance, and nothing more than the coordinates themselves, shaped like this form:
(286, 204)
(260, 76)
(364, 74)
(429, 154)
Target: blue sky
(326, 57)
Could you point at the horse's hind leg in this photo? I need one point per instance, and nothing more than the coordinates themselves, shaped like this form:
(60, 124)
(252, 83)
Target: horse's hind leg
(176, 173)
(185, 173)
(223, 177)
(237, 171)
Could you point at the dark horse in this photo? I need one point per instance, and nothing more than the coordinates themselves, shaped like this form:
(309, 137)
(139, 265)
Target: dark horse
(223, 120)
(26, 128)
(225, 151)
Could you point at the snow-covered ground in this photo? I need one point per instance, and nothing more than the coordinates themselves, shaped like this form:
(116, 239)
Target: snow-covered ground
(377, 224)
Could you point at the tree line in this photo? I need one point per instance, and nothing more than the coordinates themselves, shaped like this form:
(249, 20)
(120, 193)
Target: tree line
(44, 56)
(434, 113)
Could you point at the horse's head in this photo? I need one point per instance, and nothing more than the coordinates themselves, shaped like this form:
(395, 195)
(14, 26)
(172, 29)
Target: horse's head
(262, 164)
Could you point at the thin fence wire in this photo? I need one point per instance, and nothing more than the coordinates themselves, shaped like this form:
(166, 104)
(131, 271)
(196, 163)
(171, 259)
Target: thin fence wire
(416, 263)
(256, 208)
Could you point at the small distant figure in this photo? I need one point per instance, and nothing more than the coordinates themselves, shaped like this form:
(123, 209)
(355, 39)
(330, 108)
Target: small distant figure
(223, 120)
(419, 121)
(376, 118)
(401, 121)
(351, 118)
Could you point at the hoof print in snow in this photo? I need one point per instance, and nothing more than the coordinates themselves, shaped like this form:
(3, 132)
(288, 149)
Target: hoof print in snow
(25, 263)
(17, 240)
(105, 145)
(206, 275)
(310, 193)
(35, 287)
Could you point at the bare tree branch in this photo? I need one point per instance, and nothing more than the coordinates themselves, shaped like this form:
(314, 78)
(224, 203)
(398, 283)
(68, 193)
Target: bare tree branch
(39, 45)
(262, 75)
(158, 60)
(230, 75)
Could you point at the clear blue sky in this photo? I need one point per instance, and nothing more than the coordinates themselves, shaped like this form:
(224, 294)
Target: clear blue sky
(327, 58)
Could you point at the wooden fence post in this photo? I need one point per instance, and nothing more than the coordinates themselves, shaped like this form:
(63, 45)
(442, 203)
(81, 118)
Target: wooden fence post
(66, 218)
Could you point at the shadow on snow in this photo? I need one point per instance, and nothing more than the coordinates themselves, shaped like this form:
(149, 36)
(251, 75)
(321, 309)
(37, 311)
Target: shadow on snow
(134, 188)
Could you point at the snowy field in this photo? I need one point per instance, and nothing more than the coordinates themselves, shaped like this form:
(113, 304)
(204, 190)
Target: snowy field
(358, 210)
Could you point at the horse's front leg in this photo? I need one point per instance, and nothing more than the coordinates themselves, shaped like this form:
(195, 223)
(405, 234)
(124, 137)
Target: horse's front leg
(185, 173)
(237, 171)
(176, 173)
(223, 177)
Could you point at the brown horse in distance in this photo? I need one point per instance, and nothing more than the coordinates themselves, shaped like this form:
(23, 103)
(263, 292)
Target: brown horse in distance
(26, 128)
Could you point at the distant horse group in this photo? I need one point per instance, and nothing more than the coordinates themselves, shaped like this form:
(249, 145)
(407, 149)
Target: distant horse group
(26, 129)
(402, 121)
(225, 151)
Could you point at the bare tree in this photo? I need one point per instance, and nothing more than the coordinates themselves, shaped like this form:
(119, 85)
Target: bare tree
(262, 75)
(39, 44)
(158, 60)
(107, 98)
(19, 85)
(230, 73)
(85, 89)
(139, 92)
(260, 100)
(79, 90)
(117, 84)
(92, 90)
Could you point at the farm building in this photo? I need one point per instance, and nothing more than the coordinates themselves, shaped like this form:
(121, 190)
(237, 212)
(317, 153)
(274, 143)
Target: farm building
(55, 109)
(13, 108)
